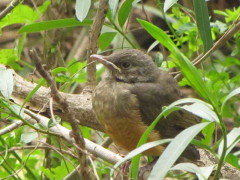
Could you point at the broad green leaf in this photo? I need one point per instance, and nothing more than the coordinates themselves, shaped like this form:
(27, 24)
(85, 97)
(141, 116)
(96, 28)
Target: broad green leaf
(202, 173)
(141, 149)
(105, 39)
(9, 57)
(54, 24)
(233, 159)
(28, 137)
(23, 14)
(229, 96)
(208, 133)
(189, 71)
(113, 4)
(233, 138)
(174, 150)
(82, 7)
(58, 70)
(168, 4)
(124, 12)
(6, 82)
(203, 23)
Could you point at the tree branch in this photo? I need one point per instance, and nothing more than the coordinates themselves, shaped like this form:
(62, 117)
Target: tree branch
(93, 41)
(77, 135)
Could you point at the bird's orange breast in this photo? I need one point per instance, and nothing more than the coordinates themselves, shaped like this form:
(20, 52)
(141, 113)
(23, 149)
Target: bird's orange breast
(118, 112)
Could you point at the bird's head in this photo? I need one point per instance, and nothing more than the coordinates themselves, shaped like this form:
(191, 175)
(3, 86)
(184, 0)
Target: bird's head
(128, 66)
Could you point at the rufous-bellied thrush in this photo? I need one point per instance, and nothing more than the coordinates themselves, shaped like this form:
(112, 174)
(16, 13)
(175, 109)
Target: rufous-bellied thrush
(131, 95)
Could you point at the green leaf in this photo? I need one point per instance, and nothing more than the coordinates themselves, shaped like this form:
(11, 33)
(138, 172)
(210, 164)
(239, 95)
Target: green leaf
(158, 59)
(202, 172)
(203, 111)
(174, 150)
(23, 14)
(35, 89)
(141, 149)
(105, 39)
(208, 133)
(203, 23)
(6, 79)
(53, 122)
(58, 70)
(82, 7)
(233, 160)
(229, 96)
(28, 137)
(189, 71)
(168, 4)
(159, 35)
(166, 111)
(113, 4)
(54, 24)
(9, 57)
(195, 106)
(143, 139)
(233, 138)
(124, 12)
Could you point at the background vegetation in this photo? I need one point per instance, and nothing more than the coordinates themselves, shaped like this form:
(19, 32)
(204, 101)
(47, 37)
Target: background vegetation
(197, 39)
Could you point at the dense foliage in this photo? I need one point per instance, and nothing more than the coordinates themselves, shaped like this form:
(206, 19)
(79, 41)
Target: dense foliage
(202, 42)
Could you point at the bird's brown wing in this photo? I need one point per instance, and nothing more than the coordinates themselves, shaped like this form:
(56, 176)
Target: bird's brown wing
(152, 97)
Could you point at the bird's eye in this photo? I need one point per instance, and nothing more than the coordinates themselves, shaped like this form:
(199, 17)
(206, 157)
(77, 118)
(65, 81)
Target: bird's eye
(125, 65)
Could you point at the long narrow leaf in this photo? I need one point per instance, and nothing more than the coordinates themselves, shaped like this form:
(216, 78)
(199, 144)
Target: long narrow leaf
(233, 138)
(229, 96)
(140, 150)
(203, 23)
(168, 4)
(190, 72)
(124, 12)
(166, 111)
(54, 24)
(174, 150)
(202, 172)
(29, 96)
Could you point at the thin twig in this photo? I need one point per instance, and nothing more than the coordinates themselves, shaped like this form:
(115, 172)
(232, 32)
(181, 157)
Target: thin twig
(79, 140)
(93, 148)
(93, 41)
(12, 149)
(9, 8)
(11, 127)
(227, 35)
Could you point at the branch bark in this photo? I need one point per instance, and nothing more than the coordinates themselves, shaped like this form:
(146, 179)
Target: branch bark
(93, 41)
(80, 104)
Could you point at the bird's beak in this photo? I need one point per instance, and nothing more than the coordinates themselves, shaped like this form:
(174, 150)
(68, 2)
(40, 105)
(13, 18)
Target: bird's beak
(103, 60)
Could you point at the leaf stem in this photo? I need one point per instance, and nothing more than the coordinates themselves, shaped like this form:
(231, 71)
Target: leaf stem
(221, 160)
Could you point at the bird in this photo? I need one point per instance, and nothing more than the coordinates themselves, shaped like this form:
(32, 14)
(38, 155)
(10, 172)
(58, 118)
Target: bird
(131, 94)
